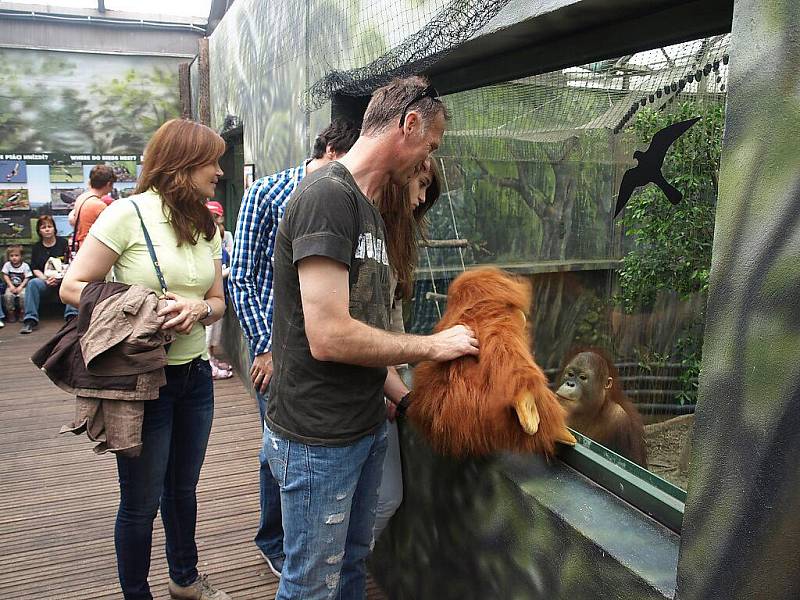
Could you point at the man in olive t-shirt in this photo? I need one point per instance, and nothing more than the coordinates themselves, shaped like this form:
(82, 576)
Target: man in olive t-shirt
(328, 403)
(325, 434)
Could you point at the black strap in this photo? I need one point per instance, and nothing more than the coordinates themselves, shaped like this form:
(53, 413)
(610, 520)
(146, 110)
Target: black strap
(404, 403)
(151, 250)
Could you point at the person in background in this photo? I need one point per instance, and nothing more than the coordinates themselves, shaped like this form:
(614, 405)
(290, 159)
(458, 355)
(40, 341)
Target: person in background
(219, 218)
(403, 211)
(250, 286)
(181, 169)
(109, 198)
(219, 369)
(89, 204)
(45, 283)
(325, 427)
(16, 274)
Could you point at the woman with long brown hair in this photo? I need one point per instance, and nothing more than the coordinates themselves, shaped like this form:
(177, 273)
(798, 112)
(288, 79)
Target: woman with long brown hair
(180, 170)
(403, 211)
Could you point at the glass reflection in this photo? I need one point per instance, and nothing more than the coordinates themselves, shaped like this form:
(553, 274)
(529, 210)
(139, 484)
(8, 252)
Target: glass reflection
(532, 171)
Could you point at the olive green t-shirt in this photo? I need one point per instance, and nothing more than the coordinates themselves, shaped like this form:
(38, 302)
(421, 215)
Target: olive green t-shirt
(188, 269)
(319, 402)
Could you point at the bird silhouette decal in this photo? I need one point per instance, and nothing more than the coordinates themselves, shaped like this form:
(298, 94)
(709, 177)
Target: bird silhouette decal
(650, 162)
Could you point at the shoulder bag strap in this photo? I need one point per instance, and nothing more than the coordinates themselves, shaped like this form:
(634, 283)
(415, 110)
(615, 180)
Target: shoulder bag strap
(74, 247)
(151, 250)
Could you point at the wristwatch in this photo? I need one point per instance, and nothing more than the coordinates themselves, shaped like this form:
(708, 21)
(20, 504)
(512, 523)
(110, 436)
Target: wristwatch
(209, 310)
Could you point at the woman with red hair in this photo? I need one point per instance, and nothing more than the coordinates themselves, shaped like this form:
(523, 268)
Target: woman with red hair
(180, 170)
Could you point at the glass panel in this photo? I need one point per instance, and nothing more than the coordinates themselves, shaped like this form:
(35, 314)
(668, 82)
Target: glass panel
(533, 171)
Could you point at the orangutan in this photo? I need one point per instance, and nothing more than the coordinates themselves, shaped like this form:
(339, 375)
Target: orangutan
(596, 406)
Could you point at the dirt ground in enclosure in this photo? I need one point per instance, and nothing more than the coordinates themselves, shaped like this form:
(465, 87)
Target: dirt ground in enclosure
(666, 443)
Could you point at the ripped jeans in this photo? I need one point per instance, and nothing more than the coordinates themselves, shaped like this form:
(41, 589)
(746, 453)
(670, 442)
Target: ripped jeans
(328, 499)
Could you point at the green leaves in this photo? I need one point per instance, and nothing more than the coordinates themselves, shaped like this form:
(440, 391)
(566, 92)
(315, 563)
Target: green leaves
(58, 103)
(672, 244)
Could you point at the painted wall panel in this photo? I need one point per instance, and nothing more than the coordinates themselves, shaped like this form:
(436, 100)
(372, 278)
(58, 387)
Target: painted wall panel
(72, 102)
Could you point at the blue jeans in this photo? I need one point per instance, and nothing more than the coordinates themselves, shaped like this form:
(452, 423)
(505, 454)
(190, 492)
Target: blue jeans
(390, 496)
(174, 439)
(328, 498)
(269, 537)
(34, 290)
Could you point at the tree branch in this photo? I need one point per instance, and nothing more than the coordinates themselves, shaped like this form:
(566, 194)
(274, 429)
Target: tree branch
(532, 197)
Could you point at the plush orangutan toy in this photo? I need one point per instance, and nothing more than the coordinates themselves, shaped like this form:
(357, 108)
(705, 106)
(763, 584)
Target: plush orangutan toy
(499, 400)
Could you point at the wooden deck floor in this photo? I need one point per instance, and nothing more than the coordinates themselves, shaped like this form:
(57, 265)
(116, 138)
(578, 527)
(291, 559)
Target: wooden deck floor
(58, 500)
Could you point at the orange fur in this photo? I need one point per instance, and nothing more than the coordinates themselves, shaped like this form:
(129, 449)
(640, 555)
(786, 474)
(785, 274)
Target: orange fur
(466, 406)
(624, 436)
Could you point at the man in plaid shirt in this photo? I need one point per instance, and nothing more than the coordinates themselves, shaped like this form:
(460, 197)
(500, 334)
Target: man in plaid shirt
(250, 285)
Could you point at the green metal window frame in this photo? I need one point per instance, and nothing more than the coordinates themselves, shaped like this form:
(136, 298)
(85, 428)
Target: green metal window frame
(646, 491)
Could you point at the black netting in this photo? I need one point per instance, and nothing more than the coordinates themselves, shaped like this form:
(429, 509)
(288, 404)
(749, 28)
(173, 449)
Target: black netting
(447, 24)
(540, 116)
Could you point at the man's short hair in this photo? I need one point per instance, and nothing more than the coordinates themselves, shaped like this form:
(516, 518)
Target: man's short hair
(340, 135)
(100, 175)
(389, 102)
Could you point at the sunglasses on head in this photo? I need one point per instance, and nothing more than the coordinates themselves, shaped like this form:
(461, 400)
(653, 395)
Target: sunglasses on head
(428, 92)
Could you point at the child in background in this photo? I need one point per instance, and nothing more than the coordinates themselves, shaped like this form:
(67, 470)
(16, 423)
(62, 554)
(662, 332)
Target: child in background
(219, 369)
(16, 274)
(219, 218)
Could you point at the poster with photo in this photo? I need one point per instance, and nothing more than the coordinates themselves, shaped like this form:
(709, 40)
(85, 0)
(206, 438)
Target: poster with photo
(61, 198)
(66, 173)
(125, 170)
(15, 228)
(63, 228)
(13, 171)
(14, 199)
(249, 176)
(125, 166)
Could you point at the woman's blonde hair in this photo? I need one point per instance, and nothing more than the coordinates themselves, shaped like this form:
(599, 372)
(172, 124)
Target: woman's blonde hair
(404, 228)
(12, 248)
(175, 150)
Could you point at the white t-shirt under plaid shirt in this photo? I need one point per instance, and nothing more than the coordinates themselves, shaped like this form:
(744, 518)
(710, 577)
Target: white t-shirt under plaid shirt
(250, 279)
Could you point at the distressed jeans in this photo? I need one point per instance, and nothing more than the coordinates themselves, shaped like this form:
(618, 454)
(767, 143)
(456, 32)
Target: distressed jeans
(174, 439)
(328, 499)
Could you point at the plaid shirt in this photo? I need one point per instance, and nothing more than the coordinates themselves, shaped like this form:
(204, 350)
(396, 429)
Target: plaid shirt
(250, 280)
